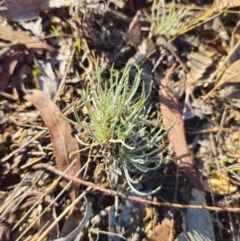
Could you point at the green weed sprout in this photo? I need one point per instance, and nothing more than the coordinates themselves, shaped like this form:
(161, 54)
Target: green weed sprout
(55, 31)
(78, 44)
(116, 119)
(165, 19)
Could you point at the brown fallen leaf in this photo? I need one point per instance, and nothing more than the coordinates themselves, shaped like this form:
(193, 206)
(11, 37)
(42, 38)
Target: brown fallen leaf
(161, 232)
(170, 113)
(61, 134)
(231, 75)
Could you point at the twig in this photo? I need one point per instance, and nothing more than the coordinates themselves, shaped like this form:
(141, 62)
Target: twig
(133, 198)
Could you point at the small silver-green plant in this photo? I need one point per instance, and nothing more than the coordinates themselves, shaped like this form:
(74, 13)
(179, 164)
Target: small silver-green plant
(117, 113)
(113, 107)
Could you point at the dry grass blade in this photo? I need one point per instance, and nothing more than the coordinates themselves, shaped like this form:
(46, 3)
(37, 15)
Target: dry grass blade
(60, 130)
(170, 113)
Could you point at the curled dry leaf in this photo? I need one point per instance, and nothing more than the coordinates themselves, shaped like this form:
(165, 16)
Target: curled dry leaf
(170, 113)
(61, 134)
(219, 183)
(161, 232)
(231, 75)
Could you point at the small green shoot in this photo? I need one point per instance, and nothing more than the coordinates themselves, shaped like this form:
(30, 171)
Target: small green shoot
(78, 45)
(55, 31)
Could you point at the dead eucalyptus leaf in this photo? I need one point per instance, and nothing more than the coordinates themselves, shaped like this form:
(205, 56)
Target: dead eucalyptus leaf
(23, 10)
(170, 114)
(219, 183)
(231, 75)
(61, 134)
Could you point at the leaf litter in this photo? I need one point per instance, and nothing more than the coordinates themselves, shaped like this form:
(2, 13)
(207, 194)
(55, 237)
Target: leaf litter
(52, 35)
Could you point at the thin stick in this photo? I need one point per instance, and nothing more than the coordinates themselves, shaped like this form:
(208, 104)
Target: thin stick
(133, 198)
